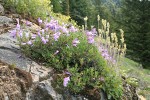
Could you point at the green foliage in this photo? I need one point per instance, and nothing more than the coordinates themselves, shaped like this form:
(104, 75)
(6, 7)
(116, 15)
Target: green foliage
(68, 55)
(57, 6)
(78, 9)
(35, 8)
(132, 81)
(113, 86)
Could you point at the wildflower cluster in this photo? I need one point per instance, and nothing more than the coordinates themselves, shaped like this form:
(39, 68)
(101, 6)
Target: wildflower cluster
(52, 30)
(72, 53)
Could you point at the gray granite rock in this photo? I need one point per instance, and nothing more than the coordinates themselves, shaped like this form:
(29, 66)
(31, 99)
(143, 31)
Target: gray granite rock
(1, 10)
(10, 53)
(45, 91)
(5, 20)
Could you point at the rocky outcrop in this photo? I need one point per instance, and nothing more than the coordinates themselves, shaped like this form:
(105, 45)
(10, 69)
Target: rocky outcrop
(5, 20)
(11, 54)
(45, 91)
(5, 24)
(14, 82)
(129, 92)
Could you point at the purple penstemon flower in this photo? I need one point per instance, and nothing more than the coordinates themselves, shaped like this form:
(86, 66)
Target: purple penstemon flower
(50, 26)
(88, 33)
(20, 34)
(72, 29)
(56, 36)
(27, 35)
(44, 40)
(91, 33)
(33, 36)
(75, 42)
(40, 21)
(46, 29)
(67, 73)
(66, 80)
(53, 25)
(64, 30)
(106, 55)
(16, 30)
(39, 34)
(54, 21)
(90, 39)
(29, 42)
(94, 31)
(13, 33)
(28, 23)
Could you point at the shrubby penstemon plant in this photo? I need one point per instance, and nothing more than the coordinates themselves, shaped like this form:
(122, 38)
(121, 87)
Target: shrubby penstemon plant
(71, 53)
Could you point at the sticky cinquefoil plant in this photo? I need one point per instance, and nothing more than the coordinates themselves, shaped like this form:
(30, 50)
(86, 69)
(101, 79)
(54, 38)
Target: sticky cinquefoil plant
(72, 54)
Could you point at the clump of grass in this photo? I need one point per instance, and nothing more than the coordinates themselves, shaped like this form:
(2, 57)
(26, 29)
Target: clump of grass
(12, 66)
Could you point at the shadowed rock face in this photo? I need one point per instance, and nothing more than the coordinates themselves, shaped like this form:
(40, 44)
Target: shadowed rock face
(14, 82)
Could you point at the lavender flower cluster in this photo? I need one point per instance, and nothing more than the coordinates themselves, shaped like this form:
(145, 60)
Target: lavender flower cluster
(90, 35)
(105, 54)
(52, 27)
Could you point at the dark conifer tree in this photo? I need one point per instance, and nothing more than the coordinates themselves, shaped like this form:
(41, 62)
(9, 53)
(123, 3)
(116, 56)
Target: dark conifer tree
(57, 6)
(136, 23)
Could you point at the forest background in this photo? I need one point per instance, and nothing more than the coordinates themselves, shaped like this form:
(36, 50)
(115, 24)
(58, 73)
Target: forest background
(133, 16)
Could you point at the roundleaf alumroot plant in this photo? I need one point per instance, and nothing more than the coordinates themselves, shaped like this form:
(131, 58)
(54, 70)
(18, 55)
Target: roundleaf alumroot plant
(72, 54)
(109, 45)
